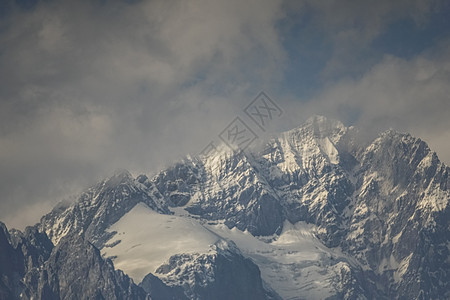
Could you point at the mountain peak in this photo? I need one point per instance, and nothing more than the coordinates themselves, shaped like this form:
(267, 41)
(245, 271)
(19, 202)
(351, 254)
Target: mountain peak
(396, 138)
(323, 126)
(313, 185)
(121, 173)
(119, 176)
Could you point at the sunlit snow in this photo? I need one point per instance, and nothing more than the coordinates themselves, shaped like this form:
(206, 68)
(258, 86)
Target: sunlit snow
(295, 263)
(148, 239)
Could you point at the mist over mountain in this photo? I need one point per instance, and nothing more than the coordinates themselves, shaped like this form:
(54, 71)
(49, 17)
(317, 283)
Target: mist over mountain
(314, 213)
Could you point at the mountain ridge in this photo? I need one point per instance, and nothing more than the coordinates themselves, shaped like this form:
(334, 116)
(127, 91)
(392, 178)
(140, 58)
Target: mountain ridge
(383, 204)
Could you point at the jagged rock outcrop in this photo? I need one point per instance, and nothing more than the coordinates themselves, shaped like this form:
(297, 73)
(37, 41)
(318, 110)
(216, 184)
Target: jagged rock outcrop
(11, 267)
(76, 270)
(31, 268)
(221, 274)
(157, 289)
(99, 207)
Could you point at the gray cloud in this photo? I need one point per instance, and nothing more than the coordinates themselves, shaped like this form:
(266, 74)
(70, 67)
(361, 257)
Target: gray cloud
(406, 95)
(351, 26)
(90, 86)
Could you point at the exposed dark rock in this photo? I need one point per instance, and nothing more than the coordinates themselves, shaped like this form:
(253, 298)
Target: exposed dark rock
(223, 274)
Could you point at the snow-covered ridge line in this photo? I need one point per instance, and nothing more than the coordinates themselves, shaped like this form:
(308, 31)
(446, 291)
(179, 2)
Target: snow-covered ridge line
(370, 207)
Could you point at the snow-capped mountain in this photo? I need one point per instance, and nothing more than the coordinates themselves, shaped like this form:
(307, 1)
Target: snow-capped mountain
(313, 214)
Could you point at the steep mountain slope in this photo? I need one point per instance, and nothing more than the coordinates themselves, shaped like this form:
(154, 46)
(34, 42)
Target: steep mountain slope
(139, 250)
(101, 212)
(399, 224)
(99, 207)
(76, 270)
(385, 204)
(32, 268)
(297, 264)
(222, 273)
(318, 213)
(184, 254)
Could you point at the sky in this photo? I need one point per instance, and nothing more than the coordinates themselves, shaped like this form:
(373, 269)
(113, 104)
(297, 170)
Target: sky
(90, 86)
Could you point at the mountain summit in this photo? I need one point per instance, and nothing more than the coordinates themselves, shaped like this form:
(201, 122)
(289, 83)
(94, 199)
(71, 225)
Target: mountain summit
(314, 214)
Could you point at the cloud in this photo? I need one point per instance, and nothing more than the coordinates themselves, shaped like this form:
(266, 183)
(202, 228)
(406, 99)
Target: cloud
(407, 95)
(92, 86)
(350, 28)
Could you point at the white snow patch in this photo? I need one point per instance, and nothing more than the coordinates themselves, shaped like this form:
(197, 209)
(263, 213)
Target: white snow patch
(295, 264)
(435, 198)
(148, 239)
(402, 268)
(329, 150)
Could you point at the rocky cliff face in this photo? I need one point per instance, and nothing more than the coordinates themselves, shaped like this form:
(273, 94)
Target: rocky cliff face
(31, 268)
(99, 207)
(223, 273)
(379, 212)
(399, 221)
(76, 270)
(11, 267)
